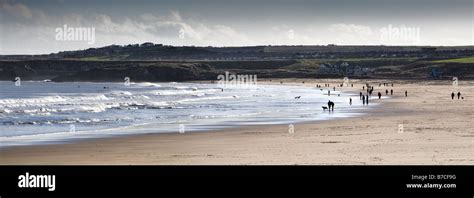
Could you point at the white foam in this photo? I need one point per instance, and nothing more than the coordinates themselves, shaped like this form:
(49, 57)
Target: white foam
(152, 107)
(148, 84)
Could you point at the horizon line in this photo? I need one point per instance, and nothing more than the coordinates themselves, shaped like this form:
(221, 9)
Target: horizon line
(235, 46)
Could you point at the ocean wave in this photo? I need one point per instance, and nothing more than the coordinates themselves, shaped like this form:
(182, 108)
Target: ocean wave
(65, 121)
(219, 98)
(119, 93)
(181, 87)
(184, 92)
(39, 101)
(148, 84)
(93, 109)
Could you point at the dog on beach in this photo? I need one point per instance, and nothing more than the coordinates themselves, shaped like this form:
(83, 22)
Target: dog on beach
(297, 97)
(324, 108)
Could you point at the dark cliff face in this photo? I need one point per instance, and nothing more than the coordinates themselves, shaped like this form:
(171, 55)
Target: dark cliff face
(43, 69)
(141, 73)
(9, 72)
(110, 71)
(160, 71)
(153, 71)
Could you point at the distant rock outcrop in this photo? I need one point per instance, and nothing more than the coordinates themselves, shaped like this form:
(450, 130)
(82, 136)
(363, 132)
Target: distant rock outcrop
(141, 73)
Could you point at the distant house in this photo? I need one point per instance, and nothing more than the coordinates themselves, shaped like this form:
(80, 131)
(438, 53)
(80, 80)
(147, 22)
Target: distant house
(436, 73)
(112, 46)
(147, 44)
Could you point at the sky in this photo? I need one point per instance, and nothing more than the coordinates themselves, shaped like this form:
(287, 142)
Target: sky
(50, 26)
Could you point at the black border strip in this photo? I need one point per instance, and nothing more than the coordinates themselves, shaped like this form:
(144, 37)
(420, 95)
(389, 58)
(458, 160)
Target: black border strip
(349, 180)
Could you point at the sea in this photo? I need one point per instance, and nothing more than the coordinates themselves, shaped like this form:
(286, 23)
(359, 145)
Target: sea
(45, 112)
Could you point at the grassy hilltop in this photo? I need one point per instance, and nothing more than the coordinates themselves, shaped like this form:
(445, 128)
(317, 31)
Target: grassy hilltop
(155, 62)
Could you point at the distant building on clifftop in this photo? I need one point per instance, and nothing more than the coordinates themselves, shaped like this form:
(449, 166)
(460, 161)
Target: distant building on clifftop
(147, 44)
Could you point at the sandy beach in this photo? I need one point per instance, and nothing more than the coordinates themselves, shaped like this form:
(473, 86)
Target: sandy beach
(436, 131)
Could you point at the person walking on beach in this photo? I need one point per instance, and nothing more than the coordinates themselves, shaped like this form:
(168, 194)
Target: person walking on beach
(330, 105)
(386, 92)
(452, 96)
(391, 91)
(367, 99)
(350, 101)
(406, 93)
(360, 95)
(363, 100)
(459, 95)
(380, 95)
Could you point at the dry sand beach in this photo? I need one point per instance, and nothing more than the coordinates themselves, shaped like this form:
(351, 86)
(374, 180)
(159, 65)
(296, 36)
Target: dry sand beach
(436, 131)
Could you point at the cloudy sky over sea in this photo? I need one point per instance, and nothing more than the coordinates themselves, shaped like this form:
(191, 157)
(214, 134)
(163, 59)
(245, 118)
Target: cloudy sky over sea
(30, 27)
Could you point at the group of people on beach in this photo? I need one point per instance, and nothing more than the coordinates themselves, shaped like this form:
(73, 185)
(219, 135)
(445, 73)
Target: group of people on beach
(459, 96)
(384, 84)
(365, 97)
(369, 90)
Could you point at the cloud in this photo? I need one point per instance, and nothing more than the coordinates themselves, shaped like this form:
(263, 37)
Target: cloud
(351, 28)
(21, 10)
(149, 27)
(39, 34)
(351, 33)
(175, 16)
(29, 30)
(16, 9)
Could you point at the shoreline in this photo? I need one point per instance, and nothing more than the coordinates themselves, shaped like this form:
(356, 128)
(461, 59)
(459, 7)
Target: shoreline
(370, 139)
(65, 137)
(225, 129)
